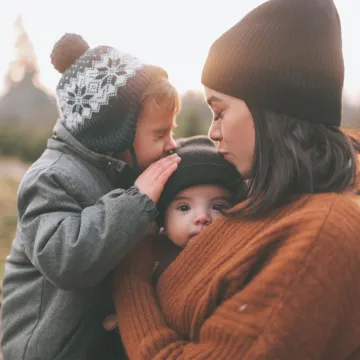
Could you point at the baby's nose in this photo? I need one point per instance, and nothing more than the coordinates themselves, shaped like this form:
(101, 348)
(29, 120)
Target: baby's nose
(203, 219)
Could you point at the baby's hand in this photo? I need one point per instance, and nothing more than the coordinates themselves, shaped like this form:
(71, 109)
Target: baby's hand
(110, 322)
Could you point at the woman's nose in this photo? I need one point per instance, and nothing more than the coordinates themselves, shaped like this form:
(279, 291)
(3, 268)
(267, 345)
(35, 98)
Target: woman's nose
(214, 131)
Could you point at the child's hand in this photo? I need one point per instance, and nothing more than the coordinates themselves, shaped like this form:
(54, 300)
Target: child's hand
(110, 322)
(152, 181)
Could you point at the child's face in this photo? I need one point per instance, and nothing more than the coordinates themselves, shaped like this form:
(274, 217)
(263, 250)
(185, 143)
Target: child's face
(192, 210)
(153, 138)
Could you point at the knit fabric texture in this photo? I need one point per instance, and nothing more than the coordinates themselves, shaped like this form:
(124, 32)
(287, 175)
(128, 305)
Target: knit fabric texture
(284, 56)
(282, 287)
(99, 97)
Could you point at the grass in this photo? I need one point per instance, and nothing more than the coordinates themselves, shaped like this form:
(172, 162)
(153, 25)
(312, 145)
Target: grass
(9, 182)
(2, 263)
(8, 218)
(8, 210)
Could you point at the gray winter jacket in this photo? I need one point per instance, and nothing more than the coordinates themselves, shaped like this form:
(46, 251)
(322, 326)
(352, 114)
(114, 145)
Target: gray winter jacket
(76, 222)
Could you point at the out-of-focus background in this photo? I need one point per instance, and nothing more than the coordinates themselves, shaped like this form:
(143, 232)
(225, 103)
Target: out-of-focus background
(173, 34)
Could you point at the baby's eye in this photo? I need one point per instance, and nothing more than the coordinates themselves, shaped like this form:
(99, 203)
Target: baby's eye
(183, 207)
(220, 206)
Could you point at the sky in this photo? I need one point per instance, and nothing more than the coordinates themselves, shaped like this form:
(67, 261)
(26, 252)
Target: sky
(174, 34)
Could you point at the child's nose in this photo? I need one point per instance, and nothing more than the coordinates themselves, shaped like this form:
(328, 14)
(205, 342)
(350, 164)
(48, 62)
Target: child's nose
(170, 145)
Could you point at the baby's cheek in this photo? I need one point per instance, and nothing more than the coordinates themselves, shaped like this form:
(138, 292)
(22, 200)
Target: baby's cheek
(181, 241)
(216, 215)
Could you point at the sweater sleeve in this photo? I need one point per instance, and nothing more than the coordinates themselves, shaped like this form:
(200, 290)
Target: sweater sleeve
(75, 247)
(297, 304)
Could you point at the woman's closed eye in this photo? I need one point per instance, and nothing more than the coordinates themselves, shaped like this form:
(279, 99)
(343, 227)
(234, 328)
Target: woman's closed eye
(218, 116)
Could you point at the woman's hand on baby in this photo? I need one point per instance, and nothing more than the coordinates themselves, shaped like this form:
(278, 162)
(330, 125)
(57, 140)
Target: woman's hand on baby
(152, 181)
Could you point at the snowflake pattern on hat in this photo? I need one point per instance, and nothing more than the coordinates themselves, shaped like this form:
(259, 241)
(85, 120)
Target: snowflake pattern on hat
(95, 86)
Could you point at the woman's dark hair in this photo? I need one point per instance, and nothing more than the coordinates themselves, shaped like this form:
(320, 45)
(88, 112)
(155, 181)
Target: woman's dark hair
(294, 157)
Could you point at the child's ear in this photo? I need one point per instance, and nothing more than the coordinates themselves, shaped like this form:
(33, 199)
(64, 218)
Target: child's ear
(162, 231)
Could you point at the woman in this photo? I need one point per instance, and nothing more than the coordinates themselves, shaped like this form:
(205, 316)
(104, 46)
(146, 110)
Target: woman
(277, 278)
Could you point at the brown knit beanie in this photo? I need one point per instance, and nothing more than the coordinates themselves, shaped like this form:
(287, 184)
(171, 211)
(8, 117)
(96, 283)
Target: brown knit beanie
(284, 56)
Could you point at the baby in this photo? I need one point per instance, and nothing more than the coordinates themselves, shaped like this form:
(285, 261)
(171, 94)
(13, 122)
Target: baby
(195, 195)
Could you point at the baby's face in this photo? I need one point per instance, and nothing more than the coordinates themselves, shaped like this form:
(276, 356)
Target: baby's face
(193, 210)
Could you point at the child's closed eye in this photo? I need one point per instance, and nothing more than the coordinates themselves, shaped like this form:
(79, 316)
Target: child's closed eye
(159, 136)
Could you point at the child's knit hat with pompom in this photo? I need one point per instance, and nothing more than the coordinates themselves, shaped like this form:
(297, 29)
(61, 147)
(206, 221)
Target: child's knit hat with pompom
(100, 92)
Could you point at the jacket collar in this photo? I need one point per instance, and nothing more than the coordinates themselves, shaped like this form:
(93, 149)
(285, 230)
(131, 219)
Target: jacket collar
(63, 141)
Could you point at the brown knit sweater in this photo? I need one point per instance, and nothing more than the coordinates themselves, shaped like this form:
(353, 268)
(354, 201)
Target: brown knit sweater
(286, 287)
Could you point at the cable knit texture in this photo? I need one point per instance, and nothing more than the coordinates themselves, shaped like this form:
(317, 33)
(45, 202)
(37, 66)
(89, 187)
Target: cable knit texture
(282, 287)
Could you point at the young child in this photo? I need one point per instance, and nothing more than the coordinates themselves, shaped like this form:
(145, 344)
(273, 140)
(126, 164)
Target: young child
(79, 213)
(203, 185)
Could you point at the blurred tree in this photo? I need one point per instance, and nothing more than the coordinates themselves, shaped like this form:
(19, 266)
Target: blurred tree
(24, 63)
(27, 111)
(351, 115)
(195, 115)
(25, 99)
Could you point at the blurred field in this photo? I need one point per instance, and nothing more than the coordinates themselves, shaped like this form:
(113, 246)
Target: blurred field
(11, 172)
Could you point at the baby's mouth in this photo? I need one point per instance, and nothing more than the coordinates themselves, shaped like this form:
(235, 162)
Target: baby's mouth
(192, 235)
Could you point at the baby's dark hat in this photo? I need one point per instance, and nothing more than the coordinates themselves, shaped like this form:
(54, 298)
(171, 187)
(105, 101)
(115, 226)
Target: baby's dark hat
(200, 165)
